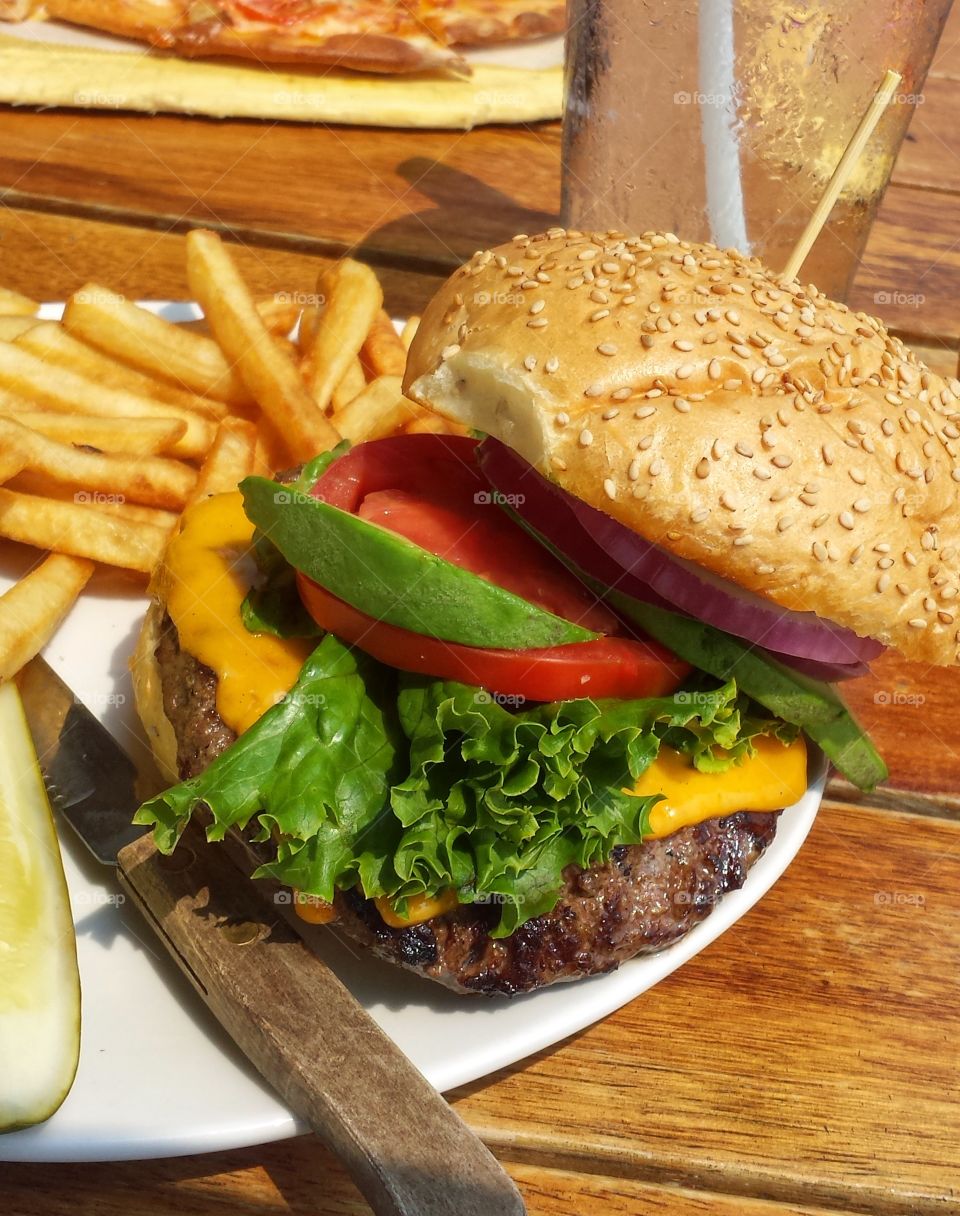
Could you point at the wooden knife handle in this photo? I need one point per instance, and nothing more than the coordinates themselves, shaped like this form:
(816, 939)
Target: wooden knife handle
(406, 1149)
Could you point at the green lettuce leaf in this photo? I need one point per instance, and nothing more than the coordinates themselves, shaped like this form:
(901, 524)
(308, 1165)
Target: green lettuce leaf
(439, 786)
(316, 767)
(497, 804)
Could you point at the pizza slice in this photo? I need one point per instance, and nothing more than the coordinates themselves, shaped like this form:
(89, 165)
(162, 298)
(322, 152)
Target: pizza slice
(369, 35)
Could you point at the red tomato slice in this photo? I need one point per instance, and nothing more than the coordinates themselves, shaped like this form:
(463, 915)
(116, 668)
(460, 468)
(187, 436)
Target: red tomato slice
(609, 667)
(429, 489)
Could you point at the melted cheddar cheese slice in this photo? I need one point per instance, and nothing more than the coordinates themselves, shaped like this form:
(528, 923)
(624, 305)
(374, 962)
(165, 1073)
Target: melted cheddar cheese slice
(207, 571)
(773, 778)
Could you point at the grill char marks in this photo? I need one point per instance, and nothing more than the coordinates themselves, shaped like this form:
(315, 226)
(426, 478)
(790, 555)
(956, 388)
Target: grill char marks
(645, 898)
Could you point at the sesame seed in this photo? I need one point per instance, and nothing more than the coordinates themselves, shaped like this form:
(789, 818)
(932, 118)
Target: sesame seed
(575, 282)
(743, 351)
(551, 364)
(909, 558)
(600, 314)
(883, 582)
(633, 472)
(599, 297)
(682, 406)
(732, 316)
(645, 411)
(821, 520)
(819, 551)
(558, 463)
(903, 589)
(731, 386)
(537, 306)
(727, 501)
(763, 568)
(782, 462)
(862, 505)
(743, 540)
(607, 348)
(917, 622)
(719, 449)
(684, 371)
(929, 603)
(562, 418)
(586, 438)
(703, 468)
(762, 474)
(827, 453)
(784, 522)
(530, 363)
(593, 390)
(744, 449)
(646, 441)
(699, 515)
(588, 255)
(656, 467)
(610, 487)
(683, 344)
(846, 520)
(622, 394)
(537, 323)
(945, 617)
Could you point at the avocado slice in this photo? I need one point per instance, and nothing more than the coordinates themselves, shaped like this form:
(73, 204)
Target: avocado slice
(810, 704)
(394, 580)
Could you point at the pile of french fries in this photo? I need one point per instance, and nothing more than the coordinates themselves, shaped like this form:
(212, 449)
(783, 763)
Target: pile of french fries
(114, 420)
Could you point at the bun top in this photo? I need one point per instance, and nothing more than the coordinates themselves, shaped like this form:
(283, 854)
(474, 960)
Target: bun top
(733, 417)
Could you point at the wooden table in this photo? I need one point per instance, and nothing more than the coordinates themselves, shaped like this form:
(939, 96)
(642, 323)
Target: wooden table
(808, 1062)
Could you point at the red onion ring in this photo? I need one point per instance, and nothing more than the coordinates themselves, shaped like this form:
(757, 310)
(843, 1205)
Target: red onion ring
(618, 556)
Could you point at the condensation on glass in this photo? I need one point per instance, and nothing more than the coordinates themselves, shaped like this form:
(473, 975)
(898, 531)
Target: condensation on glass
(724, 120)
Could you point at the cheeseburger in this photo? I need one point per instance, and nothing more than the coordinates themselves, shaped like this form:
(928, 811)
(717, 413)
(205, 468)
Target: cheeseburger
(515, 706)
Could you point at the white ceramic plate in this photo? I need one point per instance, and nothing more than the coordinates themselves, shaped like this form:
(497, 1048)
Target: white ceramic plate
(158, 1078)
(537, 53)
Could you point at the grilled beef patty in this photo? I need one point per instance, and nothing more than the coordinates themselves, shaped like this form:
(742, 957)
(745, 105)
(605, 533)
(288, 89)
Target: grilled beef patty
(643, 899)
(190, 702)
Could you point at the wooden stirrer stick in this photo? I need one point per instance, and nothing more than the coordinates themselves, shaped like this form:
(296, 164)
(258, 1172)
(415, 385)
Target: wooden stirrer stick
(842, 172)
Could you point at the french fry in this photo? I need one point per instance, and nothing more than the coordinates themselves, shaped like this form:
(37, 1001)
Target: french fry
(50, 342)
(351, 385)
(56, 388)
(270, 376)
(42, 486)
(382, 353)
(135, 436)
(13, 304)
(353, 298)
(66, 527)
(279, 313)
(432, 424)
(12, 327)
(379, 410)
(151, 480)
(12, 461)
(33, 608)
(149, 343)
(232, 456)
(309, 320)
(408, 333)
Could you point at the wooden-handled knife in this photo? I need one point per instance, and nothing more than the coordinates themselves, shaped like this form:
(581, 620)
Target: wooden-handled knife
(406, 1149)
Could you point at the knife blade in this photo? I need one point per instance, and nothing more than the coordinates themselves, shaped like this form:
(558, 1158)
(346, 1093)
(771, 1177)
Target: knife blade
(408, 1151)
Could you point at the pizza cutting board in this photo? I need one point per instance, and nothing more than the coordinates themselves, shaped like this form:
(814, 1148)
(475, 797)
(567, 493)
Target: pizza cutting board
(52, 64)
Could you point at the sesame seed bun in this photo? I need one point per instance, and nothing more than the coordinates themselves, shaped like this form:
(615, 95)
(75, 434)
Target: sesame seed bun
(740, 421)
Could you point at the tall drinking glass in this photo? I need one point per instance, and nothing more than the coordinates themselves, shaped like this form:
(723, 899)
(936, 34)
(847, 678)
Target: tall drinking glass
(724, 120)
